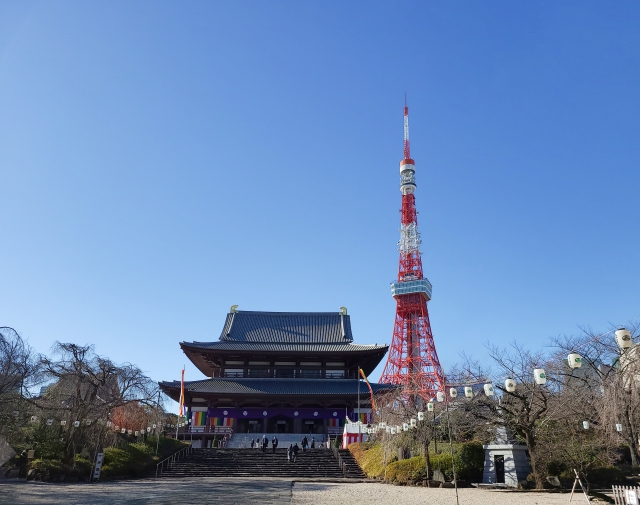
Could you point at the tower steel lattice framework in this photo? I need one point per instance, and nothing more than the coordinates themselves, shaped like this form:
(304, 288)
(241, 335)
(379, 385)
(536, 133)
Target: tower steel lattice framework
(412, 361)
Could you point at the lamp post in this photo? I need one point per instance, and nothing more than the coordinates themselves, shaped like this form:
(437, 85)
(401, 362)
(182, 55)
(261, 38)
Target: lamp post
(453, 465)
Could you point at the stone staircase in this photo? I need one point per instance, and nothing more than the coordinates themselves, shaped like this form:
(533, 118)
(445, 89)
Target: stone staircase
(316, 463)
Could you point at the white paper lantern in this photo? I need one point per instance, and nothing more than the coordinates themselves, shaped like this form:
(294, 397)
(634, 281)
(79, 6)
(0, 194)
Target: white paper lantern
(382, 425)
(88, 422)
(488, 389)
(393, 430)
(574, 360)
(440, 396)
(405, 426)
(63, 423)
(618, 427)
(398, 429)
(148, 429)
(585, 425)
(430, 407)
(123, 430)
(116, 427)
(413, 423)
(130, 432)
(540, 376)
(468, 391)
(623, 338)
(153, 426)
(137, 433)
(49, 422)
(387, 429)
(34, 419)
(453, 392)
(420, 416)
(510, 385)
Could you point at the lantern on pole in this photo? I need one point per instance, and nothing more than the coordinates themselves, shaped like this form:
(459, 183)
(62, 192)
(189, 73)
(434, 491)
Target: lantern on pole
(405, 426)
(623, 338)
(585, 425)
(468, 391)
(540, 376)
(412, 423)
(510, 385)
(430, 407)
(420, 416)
(574, 360)
(123, 430)
(393, 430)
(488, 389)
(453, 392)
(382, 425)
(618, 427)
(440, 396)
(49, 422)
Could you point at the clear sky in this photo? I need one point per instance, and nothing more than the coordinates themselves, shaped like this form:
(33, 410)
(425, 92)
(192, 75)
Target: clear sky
(162, 161)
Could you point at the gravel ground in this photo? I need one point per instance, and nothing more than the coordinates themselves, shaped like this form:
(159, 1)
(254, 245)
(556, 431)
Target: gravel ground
(381, 494)
(232, 491)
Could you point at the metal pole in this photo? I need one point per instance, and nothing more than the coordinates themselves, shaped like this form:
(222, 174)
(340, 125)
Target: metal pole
(453, 465)
(435, 432)
(157, 427)
(359, 439)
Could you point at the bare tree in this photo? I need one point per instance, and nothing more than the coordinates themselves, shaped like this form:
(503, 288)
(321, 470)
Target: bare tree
(86, 388)
(18, 366)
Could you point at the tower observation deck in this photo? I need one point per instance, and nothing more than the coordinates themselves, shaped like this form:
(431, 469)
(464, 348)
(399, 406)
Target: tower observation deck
(412, 361)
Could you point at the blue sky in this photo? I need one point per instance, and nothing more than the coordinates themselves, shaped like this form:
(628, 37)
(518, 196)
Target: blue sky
(162, 161)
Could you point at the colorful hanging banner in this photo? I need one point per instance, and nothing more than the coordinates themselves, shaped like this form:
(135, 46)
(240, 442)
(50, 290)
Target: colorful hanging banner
(373, 405)
(335, 423)
(181, 407)
(221, 421)
(198, 418)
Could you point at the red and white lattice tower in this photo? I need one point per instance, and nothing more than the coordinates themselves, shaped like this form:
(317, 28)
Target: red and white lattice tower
(412, 361)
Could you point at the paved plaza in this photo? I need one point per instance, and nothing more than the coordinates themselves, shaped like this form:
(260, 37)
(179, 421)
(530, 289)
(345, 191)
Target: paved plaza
(231, 491)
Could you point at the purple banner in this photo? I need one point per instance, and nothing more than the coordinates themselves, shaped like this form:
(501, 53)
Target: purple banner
(259, 413)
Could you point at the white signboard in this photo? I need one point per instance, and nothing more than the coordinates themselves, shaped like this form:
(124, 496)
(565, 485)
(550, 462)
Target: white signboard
(631, 496)
(96, 472)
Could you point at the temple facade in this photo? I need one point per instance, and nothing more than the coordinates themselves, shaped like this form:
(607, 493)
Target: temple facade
(279, 372)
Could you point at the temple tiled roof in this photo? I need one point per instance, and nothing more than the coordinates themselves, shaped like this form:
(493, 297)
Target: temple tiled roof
(274, 386)
(287, 327)
(280, 347)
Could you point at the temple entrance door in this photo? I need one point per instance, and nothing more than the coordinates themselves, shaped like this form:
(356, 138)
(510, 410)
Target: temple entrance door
(311, 426)
(280, 424)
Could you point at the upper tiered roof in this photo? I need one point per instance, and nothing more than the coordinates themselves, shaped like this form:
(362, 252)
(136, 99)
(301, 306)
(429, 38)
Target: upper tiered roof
(287, 327)
(313, 335)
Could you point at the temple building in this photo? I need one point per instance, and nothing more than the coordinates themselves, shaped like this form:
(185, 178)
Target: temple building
(278, 372)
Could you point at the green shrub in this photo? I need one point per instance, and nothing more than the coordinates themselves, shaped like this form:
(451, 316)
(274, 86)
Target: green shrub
(406, 470)
(134, 460)
(442, 462)
(470, 461)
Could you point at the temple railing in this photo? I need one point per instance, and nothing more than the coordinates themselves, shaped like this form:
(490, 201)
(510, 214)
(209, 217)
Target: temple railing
(171, 460)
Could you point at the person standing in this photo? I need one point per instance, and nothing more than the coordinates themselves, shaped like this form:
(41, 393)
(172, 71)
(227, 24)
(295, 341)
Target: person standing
(265, 443)
(252, 442)
(274, 443)
(289, 452)
(295, 452)
(305, 442)
(313, 442)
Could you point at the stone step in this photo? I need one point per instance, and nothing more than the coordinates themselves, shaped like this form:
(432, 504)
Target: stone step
(254, 463)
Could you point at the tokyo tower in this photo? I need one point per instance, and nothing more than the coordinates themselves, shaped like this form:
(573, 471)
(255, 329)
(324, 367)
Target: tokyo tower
(412, 361)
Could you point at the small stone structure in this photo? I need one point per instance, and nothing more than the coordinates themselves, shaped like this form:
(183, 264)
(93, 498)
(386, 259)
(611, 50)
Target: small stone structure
(505, 462)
